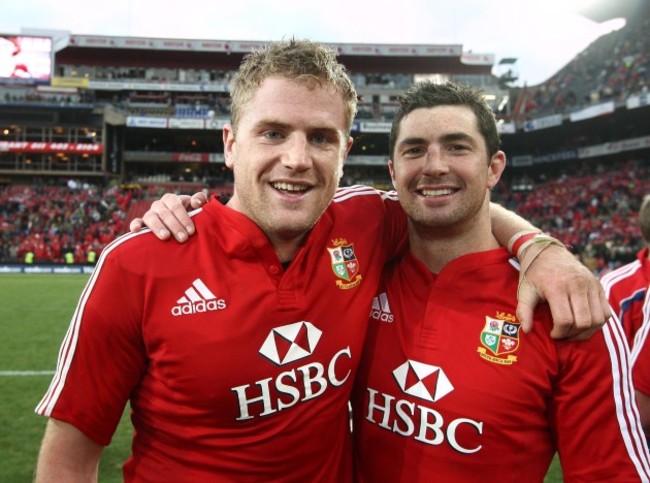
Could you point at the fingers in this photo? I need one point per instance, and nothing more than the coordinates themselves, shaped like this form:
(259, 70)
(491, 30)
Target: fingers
(136, 225)
(563, 317)
(525, 316)
(168, 216)
(576, 299)
(527, 299)
(589, 307)
(198, 199)
(603, 302)
(154, 222)
(155, 225)
(571, 308)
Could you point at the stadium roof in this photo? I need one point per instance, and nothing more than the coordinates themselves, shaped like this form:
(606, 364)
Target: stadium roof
(227, 55)
(603, 10)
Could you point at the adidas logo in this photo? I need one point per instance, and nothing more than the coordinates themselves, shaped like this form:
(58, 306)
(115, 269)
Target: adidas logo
(380, 309)
(197, 299)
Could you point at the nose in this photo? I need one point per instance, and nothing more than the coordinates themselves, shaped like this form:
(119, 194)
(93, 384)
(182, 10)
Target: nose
(297, 155)
(435, 163)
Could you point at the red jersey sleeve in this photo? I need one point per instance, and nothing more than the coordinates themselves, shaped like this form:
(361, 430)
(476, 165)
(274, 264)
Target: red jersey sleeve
(102, 351)
(641, 351)
(594, 383)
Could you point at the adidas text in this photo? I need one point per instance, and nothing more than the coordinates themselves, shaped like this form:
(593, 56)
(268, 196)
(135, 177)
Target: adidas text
(381, 316)
(199, 307)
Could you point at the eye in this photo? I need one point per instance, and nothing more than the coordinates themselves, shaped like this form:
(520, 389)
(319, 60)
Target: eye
(413, 151)
(272, 135)
(319, 138)
(458, 147)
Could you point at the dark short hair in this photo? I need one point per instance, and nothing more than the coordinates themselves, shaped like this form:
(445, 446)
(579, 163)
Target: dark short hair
(428, 94)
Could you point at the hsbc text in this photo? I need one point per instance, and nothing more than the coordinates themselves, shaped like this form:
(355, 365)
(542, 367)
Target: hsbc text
(290, 387)
(424, 424)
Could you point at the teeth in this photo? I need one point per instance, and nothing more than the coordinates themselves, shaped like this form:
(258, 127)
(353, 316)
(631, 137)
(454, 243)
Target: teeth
(289, 187)
(442, 192)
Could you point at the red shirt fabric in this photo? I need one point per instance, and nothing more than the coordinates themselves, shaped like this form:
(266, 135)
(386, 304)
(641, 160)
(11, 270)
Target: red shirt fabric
(451, 389)
(626, 288)
(641, 352)
(234, 368)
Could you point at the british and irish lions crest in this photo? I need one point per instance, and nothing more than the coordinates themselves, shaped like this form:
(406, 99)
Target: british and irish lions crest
(500, 339)
(345, 264)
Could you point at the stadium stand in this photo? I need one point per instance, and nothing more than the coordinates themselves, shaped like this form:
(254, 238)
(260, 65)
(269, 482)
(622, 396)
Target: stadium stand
(123, 120)
(611, 68)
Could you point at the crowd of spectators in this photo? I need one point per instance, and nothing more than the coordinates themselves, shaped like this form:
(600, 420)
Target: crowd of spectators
(593, 208)
(613, 67)
(60, 224)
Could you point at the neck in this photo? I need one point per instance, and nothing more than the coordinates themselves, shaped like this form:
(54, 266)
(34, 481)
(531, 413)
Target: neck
(286, 247)
(439, 245)
(285, 243)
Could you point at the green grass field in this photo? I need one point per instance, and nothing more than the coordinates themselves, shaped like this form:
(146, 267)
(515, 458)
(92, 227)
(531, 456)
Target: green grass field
(34, 314)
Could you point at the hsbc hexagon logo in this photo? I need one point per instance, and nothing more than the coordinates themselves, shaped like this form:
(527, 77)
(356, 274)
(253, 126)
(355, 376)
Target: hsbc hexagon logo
(291, 342)
(423, 380)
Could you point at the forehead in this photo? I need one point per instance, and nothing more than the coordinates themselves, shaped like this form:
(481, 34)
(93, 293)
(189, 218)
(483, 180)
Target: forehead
(435, 121)
(291, 100)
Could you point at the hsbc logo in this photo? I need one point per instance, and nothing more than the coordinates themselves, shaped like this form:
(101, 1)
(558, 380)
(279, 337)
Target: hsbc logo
(422, 380)
(280, 391)
(291, 342)
(405, 418)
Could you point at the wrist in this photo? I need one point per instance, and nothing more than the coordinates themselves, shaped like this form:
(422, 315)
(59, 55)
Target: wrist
(518, 239)
(540, 240)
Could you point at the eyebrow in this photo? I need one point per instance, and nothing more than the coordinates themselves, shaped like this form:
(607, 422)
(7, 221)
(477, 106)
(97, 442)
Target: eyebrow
(445, 138)
(457, 136)
(412, 141)
(274, 124)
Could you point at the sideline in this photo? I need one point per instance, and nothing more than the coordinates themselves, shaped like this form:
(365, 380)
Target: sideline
(20, 268)
(25, 373)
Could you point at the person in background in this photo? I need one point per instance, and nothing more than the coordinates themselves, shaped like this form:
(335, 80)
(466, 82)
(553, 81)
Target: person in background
(626, 287)
(449, 385)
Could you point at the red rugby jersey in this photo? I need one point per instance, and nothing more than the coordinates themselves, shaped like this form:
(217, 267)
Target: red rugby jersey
(450, 388)
(641, 356)
(626, 288)
(234, 368)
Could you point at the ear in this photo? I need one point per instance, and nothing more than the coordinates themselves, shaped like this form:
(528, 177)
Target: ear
(229, 147)
(391, 169)
(495, 169)
(348, 146)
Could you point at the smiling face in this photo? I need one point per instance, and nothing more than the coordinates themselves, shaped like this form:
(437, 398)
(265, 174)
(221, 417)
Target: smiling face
(287, 153)
(441, 169)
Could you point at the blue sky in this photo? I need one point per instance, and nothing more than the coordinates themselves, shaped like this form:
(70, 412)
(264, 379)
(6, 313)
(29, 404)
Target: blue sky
(543, 36)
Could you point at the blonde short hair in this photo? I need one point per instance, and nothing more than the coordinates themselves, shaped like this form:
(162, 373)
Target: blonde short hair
(300, 60)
